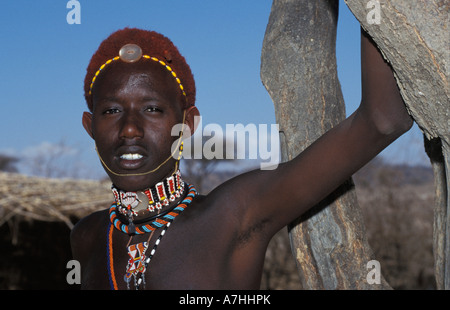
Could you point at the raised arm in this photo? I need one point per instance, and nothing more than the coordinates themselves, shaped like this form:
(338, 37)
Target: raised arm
(279, 196)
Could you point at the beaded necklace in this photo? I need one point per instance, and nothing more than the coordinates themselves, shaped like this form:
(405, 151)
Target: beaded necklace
(138, 262)
(131, 229)
(151, 199)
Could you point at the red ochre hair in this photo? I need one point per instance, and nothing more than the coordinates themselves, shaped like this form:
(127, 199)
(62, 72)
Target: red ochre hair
(153, 44)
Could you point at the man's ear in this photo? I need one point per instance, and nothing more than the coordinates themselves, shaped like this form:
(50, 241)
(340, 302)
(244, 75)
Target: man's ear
(87, 123)
(192, 119)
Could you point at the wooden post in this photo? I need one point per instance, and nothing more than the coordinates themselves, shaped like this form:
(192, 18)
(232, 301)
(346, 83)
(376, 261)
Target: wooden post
(414, 38)
(298, 69)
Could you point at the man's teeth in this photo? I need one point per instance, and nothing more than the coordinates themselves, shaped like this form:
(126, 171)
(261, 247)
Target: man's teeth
(131, 156)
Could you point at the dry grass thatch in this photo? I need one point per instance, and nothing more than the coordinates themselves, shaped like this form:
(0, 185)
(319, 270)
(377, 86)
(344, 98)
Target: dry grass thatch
(50, 200)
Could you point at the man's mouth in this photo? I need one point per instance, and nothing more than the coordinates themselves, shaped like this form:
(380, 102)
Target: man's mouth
(131, 156)
(131, 160)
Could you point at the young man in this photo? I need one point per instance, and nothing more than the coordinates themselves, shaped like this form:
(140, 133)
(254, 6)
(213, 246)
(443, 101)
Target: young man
(160, 233)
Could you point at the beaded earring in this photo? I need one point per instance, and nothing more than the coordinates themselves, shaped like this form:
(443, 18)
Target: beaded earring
(180, 151)
(180, 148)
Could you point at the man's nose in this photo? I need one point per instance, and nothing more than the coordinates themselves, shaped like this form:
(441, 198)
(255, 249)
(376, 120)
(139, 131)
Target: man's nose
(131, 127)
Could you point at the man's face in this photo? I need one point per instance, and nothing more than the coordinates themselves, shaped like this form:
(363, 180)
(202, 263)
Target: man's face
(135, 107)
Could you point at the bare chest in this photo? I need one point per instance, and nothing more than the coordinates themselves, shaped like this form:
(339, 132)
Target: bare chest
(185, 256)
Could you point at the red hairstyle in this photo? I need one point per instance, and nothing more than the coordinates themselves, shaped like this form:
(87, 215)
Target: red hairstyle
(152, 44)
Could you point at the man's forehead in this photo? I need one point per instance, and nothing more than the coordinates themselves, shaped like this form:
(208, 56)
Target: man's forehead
(142, 67)
(138, 75)
(146, 82)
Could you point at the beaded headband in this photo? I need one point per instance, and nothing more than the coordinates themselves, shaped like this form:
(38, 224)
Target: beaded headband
(130, 53)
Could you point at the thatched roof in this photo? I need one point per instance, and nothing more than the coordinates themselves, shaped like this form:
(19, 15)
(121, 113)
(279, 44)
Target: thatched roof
(50, 200)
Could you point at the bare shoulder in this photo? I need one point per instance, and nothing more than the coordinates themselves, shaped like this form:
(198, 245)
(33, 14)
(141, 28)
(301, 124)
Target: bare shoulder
(89, 223)
(85, 232)
(235, 200)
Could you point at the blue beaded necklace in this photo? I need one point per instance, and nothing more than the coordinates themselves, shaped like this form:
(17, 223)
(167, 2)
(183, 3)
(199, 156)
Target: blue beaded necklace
(138, 262)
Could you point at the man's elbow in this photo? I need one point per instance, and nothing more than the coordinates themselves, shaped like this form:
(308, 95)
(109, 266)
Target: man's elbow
(388, 117)
(394, 125)
(405, 125)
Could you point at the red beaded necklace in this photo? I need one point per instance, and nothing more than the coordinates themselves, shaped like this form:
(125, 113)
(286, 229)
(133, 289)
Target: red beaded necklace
(138, 261)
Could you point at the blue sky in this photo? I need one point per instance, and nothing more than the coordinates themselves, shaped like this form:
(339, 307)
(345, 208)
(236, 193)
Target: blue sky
(43, 62)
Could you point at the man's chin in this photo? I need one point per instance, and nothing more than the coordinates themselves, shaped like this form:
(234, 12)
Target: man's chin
(132, 183)
(135, 182)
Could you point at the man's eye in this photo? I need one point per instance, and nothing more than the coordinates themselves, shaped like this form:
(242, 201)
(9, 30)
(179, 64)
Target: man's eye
(111, 111)
(153, 109)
